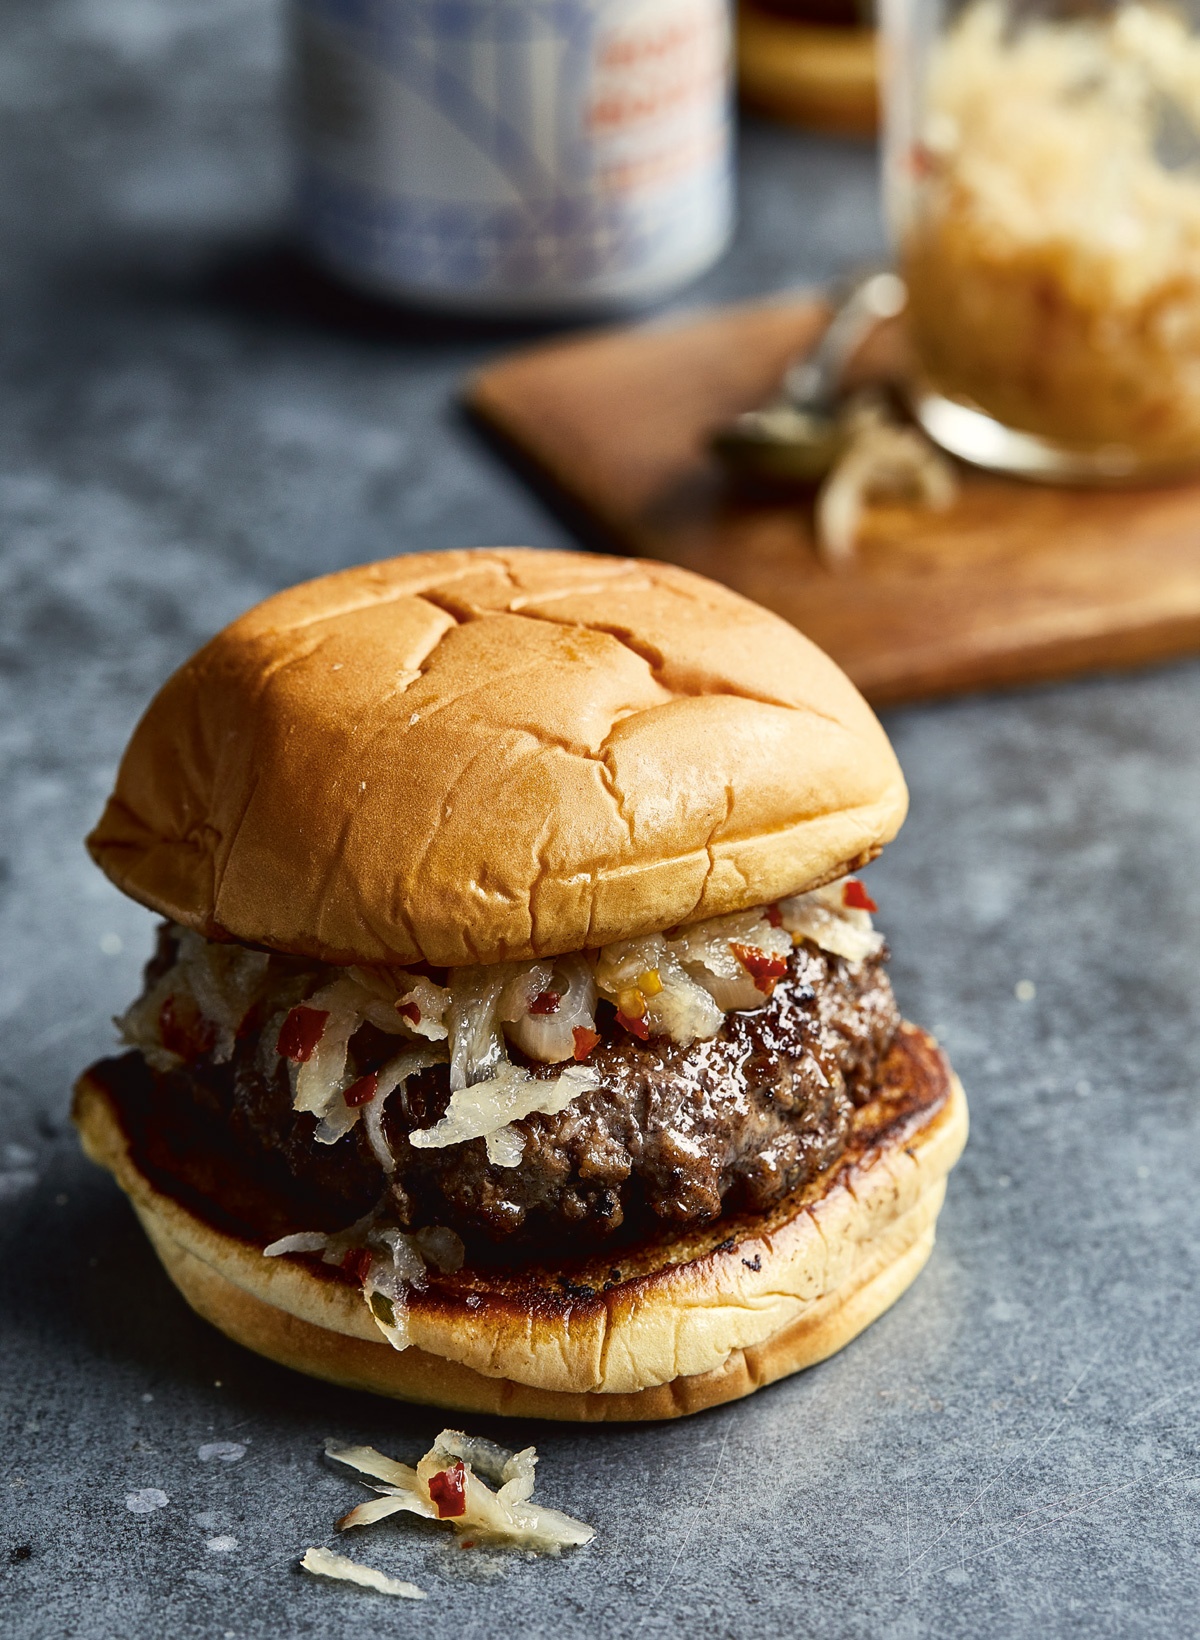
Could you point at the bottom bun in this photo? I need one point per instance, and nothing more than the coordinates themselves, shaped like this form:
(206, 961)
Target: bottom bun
(668, 1328)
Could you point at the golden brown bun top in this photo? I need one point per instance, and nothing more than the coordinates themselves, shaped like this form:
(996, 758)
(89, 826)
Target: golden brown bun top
(471, 756)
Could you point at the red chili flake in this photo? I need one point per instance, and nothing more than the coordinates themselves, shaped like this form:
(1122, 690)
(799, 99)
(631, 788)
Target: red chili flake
(764, 967)
(636, 1027)
(302, 1031)
(448, 1491)
(585, 1041)
(774, 916)
(856, 897)
(183, 1030)
(362, 1091)
(357, 1263)
(409, 1011)
(546, 1002)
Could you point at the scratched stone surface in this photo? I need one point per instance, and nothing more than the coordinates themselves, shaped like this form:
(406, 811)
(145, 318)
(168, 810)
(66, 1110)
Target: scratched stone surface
(187, 422)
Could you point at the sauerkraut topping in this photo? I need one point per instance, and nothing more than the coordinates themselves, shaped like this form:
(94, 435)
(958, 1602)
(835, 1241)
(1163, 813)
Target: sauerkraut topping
(385, 1262)
(1051, 242)
(449, 1484)
(835, 918)
(677, 984)
(882, 459)
(339, 1568)
(511, 1094)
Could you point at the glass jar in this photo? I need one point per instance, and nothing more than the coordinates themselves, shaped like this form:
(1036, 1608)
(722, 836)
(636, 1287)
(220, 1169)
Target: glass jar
(1042, 164)
(500, 156)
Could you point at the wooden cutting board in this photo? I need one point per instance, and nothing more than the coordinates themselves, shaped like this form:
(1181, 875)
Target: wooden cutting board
(1017, 582)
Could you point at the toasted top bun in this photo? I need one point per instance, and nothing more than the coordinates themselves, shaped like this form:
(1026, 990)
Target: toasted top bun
(471, 756)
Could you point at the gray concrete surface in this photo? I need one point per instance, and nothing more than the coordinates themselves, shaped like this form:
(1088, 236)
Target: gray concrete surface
(186, 424)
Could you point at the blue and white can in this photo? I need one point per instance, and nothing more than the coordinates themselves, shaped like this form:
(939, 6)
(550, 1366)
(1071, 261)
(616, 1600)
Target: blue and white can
(516, 155)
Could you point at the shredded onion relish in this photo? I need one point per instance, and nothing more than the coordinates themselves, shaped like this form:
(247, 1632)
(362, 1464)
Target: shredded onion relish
(678, 984)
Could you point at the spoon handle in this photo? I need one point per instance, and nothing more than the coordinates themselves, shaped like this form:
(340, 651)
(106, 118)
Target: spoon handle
(812, 383)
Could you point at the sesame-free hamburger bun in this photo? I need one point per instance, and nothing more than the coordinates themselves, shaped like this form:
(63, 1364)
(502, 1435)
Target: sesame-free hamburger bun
(465, 757)
(518, 1038)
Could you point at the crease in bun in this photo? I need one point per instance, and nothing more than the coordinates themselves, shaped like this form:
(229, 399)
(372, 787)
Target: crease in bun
(488, 755)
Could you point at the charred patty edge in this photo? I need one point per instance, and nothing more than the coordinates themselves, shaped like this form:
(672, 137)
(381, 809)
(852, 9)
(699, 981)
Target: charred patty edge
(914, 1086)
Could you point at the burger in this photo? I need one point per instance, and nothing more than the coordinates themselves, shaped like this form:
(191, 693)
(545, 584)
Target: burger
(518, 1038)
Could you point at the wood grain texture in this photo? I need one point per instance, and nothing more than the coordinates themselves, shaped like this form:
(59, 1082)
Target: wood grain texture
(1016, 583)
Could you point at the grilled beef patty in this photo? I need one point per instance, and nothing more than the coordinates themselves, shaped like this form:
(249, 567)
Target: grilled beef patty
(672, 1137)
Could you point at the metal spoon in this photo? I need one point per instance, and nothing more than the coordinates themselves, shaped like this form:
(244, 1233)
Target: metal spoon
(798, 436)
